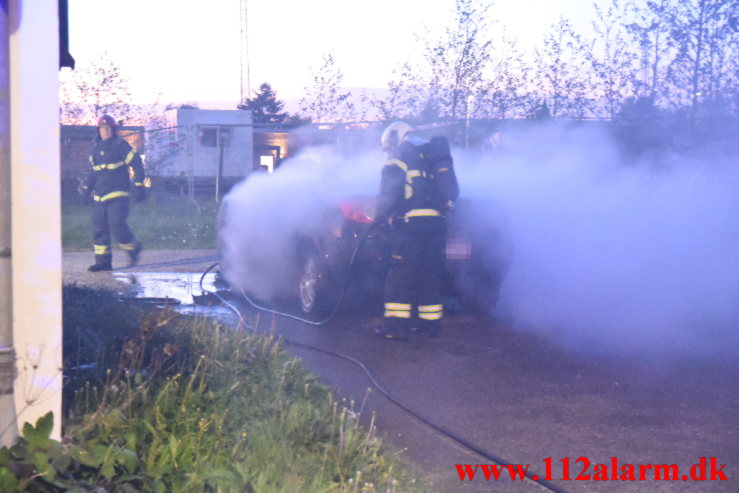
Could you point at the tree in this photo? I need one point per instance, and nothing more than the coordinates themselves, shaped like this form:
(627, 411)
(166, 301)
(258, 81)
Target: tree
(99, 88)
(265, 106)
(649, 28)
(705, 65)
(612, 60)
(407, 97)
(560, 71)
(457, 62)
(503, 96)
(324, 101)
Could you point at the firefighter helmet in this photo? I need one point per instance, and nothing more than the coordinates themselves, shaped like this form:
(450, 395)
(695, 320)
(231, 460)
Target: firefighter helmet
(394, 135)
(107, 121)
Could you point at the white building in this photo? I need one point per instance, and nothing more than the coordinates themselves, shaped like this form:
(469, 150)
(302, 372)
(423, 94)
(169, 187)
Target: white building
(211, 143)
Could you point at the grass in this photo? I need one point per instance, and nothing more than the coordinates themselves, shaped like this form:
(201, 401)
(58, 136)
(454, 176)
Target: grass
(171, 402)
(164, 222)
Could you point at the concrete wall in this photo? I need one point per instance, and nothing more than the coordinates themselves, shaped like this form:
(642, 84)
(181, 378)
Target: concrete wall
(36, 213)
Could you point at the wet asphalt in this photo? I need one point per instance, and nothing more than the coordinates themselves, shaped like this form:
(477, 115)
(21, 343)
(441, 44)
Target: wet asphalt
(505, 392)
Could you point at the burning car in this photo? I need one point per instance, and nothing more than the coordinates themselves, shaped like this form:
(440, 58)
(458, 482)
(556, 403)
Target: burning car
(315, 252)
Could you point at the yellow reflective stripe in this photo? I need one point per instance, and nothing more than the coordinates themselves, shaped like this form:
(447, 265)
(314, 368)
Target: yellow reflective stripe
(138, 184)
(398, 310)
(430, 312)
(108, 196)
(100, 167)
(397, 313)
(101, 249)
(127, 246)
(397, 162)
(397, 306)
(443, 169)
(409, 176)
(422, 212)
(130, 156)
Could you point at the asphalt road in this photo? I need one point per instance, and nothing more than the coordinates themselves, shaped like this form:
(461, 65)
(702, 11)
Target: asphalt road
(522, 400)
(516, 397)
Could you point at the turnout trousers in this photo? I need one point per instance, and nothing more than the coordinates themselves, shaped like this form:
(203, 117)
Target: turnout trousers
(110, 215)
(413, 284)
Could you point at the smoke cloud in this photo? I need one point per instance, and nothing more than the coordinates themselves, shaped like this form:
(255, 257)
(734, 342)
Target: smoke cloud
(608, 258)
(612, 258)
(263, 217)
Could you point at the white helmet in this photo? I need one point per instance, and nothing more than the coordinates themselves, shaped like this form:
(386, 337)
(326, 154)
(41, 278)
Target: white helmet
(394, 135)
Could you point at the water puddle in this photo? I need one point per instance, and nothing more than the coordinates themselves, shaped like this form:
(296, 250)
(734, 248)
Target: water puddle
(177, 290)
(176, 286)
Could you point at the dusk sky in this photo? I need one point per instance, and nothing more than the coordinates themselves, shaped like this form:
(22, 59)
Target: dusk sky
(189, 50)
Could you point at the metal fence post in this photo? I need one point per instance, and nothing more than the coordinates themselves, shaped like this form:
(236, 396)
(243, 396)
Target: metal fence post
(190, 163)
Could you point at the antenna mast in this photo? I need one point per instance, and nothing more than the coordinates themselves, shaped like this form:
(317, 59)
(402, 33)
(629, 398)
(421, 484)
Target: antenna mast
(244, 52)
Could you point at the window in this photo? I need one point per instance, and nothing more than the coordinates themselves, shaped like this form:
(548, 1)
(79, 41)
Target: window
(267, 163)
(208, 137)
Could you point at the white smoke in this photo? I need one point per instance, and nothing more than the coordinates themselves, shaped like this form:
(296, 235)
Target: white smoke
(611, 258)
(263, 217)
(607, 257)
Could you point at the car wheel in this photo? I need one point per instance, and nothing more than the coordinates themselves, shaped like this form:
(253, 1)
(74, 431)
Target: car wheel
(313, 286)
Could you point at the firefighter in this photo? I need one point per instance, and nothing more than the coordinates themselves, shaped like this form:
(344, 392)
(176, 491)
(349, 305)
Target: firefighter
(108, 182)
(417, 187)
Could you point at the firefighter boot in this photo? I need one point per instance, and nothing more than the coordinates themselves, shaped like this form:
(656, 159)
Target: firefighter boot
(393, 328)
(133, 254)
(397, 335)
(102, 263)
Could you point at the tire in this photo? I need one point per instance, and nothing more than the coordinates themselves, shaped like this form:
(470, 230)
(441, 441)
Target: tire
(313, 286)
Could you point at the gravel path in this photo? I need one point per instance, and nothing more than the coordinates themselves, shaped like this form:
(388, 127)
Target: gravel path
(75, 263)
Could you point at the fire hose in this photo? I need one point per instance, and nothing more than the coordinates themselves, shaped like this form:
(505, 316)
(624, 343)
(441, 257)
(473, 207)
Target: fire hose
(427, 421)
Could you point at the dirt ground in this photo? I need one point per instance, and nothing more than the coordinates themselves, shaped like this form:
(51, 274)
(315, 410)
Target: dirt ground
(508, 393)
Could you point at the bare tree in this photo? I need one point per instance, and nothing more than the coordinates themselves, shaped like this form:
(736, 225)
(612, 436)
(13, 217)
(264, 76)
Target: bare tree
(100, 88)
(406, 98)
(560, 72)
(456, 63)
(649, 26)
(705, 63)
(324, 100)
(504, 94)
(612, 59)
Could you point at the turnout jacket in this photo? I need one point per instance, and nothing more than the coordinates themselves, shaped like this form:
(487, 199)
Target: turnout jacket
(108, 176)
(418, 180)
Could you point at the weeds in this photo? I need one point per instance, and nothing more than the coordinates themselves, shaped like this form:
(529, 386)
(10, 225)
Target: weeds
(191, 405)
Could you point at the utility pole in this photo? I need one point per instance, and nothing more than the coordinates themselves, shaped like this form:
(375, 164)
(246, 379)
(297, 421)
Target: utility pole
(244, 61)
(7, 355)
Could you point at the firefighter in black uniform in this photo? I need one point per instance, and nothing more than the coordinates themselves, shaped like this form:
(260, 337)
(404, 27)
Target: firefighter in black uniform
(417, 187)
(108, 181)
